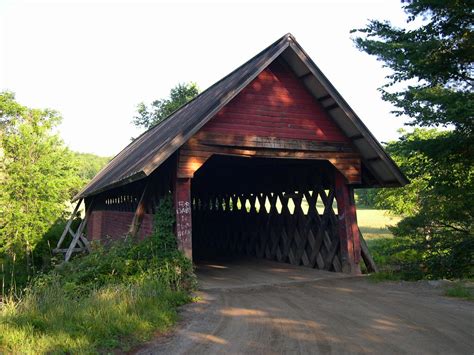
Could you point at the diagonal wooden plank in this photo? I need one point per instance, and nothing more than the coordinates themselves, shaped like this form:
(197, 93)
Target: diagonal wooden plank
(331, 254)
(68, 224)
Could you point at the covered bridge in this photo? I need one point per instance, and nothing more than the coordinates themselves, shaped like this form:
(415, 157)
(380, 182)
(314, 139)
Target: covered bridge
(263, 163)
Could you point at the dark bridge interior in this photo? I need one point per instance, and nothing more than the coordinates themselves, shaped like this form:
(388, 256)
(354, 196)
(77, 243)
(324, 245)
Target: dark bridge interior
(278, 209)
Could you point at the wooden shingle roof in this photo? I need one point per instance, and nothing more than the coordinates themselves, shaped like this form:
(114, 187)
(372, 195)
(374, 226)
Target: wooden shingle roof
(146, 153)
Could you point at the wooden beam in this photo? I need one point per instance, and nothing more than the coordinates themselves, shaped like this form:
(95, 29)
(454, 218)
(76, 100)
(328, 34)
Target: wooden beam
(78, 234)
(347, 226)
(304, 76)
(323, 98)
(65, 250)
(68, 225)
(140, 211)
(356, 137)
(272, 143)
(194, 154)
(86, 243)
(354, 226)
(182, 203)
(372, 159)
(332, 107)
(366, 256)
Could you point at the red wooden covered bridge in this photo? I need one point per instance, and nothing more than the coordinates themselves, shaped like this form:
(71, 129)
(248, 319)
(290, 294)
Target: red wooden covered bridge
(263, 163)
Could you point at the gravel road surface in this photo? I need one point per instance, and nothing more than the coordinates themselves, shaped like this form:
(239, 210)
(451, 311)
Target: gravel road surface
(262, 307)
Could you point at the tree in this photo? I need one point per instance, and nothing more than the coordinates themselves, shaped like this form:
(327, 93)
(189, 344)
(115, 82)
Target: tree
(148, 116)
(431, 77)
(437, 204)
(9, 109)
(88, 165)
(433, 61)
(37, 175)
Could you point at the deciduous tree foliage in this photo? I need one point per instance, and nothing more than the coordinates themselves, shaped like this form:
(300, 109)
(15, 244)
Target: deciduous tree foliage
(88, 165)
(37, 175)
(148, 116)
(431, 63)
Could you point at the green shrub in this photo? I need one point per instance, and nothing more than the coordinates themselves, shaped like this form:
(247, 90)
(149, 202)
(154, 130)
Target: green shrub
(416, 257)
(396, 259)
(443, 252)
(14, 273)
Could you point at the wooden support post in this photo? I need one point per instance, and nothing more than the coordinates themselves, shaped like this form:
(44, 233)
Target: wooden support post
(139, 212)
(182, 203)
(347, 226)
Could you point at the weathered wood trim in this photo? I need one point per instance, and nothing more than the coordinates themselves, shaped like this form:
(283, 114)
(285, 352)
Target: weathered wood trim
(194, 154)
(259, 142)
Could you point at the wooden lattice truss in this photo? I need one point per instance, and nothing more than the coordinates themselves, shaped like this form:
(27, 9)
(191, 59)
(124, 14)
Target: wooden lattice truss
(286, 227)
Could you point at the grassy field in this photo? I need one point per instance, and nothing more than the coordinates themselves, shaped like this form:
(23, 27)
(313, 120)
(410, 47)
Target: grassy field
(373, 223)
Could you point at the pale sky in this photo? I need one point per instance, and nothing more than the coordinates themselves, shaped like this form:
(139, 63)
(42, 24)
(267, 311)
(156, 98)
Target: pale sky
(94, 61)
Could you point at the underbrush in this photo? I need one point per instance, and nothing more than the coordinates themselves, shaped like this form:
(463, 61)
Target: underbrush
(114, 297)
(395, 259)
(410, 258)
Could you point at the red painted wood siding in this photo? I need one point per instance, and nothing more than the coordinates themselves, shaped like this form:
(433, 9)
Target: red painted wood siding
(276, 104)
(115, 224)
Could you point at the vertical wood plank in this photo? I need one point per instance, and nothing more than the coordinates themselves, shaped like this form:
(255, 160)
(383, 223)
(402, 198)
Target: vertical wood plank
(347, 223)
(182, 203)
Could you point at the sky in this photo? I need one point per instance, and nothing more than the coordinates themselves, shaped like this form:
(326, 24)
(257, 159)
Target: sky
(94, 61)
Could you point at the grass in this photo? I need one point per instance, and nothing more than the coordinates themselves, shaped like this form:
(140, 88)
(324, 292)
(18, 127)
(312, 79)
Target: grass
(373, 223)
(382, 276)
(117, 316)
(460, 290)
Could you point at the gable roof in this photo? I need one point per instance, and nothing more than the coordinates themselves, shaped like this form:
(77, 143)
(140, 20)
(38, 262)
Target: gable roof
(146, 153)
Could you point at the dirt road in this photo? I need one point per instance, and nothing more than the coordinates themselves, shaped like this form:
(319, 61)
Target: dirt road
(271, 308)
